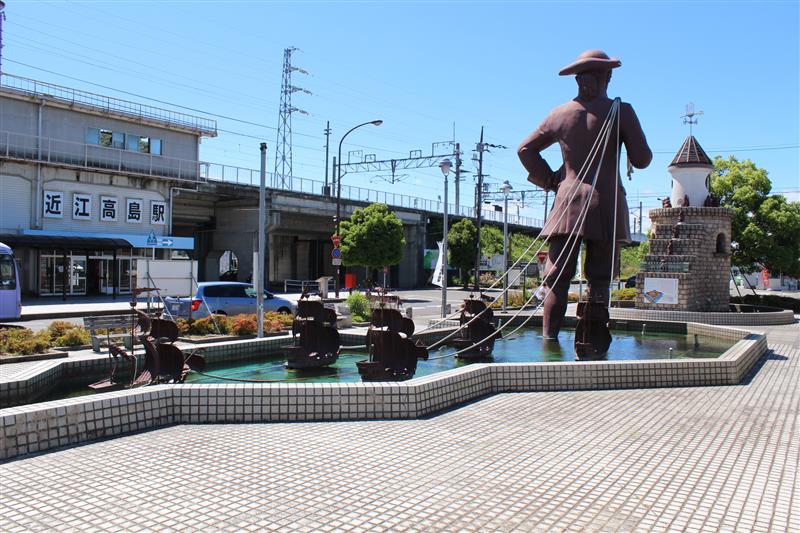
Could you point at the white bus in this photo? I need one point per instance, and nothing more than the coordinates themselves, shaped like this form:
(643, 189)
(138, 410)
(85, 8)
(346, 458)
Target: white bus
(10, 299)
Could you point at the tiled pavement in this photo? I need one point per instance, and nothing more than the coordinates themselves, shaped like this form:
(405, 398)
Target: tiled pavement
(686, 459)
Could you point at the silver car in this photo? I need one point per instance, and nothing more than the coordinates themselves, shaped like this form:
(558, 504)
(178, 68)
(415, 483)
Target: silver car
(225, 298)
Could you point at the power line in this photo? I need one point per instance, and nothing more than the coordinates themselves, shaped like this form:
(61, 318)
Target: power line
(193, 109)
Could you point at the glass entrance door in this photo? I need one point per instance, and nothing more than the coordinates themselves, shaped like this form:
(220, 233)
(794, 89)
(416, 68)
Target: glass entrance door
(78, 278)
(55, 270)
(125, 274)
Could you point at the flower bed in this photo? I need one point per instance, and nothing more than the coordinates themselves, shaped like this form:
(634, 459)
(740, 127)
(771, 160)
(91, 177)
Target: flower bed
(19, 342)
(238, 325)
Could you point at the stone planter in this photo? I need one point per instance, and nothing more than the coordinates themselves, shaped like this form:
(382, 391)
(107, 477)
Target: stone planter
(52, 354)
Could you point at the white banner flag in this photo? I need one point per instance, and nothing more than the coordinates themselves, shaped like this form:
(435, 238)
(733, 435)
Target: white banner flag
(437, 271)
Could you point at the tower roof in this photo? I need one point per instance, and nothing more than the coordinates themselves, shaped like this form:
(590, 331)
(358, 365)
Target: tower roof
(691, 154)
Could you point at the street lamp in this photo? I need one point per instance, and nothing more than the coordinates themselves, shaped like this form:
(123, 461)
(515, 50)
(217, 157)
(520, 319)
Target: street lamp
(506, 190)
(445, 166)
(339, 191)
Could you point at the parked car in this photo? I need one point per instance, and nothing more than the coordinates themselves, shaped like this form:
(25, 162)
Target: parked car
(225, 298)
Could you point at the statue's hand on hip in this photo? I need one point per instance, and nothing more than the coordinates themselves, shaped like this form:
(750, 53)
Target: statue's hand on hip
(556, 179)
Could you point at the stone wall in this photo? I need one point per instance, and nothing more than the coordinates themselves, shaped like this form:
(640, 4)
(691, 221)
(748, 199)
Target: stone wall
(696, 252)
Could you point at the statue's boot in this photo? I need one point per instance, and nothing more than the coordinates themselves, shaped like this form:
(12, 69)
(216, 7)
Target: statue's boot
(555, 305)
(592, 336)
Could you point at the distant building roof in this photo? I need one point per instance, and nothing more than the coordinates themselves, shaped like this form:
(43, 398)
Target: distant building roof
(691, 154)
(105, 105)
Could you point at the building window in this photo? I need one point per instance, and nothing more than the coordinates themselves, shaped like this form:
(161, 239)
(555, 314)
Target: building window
(105, 137)
(123, 141)
(92, 136)
(131, 142)
(118, 140)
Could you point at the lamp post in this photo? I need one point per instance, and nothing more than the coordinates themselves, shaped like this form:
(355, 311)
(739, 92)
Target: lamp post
(259, 265)
(445, 167)
(506, 189)
(339, 191)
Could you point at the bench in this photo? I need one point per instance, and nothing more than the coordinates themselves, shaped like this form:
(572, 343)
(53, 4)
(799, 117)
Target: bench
(110, 322)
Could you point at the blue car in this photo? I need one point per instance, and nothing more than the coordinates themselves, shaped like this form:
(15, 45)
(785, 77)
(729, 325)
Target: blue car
(225, 298)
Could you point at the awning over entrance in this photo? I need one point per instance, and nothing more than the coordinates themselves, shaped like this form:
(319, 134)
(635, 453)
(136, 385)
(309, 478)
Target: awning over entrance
(61, 243)
(66, 240)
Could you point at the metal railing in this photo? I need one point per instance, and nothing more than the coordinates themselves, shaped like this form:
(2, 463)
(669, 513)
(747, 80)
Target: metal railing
(248, 176)
(49, 150)
(58, 151)
(107, 104)
(304, 284)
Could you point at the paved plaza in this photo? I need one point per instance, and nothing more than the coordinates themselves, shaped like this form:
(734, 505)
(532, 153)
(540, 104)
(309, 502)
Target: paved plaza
(682, 459)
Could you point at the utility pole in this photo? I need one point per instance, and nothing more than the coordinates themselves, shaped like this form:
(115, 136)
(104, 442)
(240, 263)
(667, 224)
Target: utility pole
(326, 191)
(2, 18)
(546, 201)
(640, 217)
(478, 207)
(458, 179)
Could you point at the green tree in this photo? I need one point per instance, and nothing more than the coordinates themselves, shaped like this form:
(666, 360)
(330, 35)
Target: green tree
(373, 237)
(765, 229)
(462, 243)
(520, 243)
(631, 258)
(491, 240)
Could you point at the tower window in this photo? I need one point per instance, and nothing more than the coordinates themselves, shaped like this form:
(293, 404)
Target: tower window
(722, 244)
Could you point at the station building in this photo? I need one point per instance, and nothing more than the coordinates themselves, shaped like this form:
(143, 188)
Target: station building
(87, 183)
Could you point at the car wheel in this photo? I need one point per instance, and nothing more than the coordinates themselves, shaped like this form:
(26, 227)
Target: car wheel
(285, 311)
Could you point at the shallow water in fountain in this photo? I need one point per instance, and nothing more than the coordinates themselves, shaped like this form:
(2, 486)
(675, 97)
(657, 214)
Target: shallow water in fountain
(525, 346)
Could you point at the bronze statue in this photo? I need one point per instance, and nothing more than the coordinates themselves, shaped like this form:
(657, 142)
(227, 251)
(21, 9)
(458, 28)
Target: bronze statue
(666, 203)
(683, 202)
(574, 126)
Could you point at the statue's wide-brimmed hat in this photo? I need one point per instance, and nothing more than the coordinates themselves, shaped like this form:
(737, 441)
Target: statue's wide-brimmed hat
(590, 60)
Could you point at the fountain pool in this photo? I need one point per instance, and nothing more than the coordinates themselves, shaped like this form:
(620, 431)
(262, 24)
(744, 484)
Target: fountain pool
(525, 346)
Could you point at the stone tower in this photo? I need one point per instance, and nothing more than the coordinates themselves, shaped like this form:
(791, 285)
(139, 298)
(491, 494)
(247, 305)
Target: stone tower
(688, 268)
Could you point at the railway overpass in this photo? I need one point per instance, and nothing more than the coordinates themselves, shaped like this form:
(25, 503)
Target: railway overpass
(221, 210)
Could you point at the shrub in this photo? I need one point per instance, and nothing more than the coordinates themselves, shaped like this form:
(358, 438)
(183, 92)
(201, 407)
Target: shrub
(75, 336)
(572, 297)
(57, 328)
(210, 325)
(244, 324)
(183, 326)
(272, 325)
(487, 278)
(515, 299)
(772, 300)
(20, 341)
(283, 319)
(624, 294)
(359, 306)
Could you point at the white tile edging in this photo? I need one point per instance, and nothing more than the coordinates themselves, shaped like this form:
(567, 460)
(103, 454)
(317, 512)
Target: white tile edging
(37, 427)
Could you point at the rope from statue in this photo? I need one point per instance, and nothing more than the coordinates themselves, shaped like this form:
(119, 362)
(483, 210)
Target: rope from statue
(597, 317)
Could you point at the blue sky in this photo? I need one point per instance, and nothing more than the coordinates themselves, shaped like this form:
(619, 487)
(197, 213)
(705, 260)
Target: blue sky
(424, 66)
